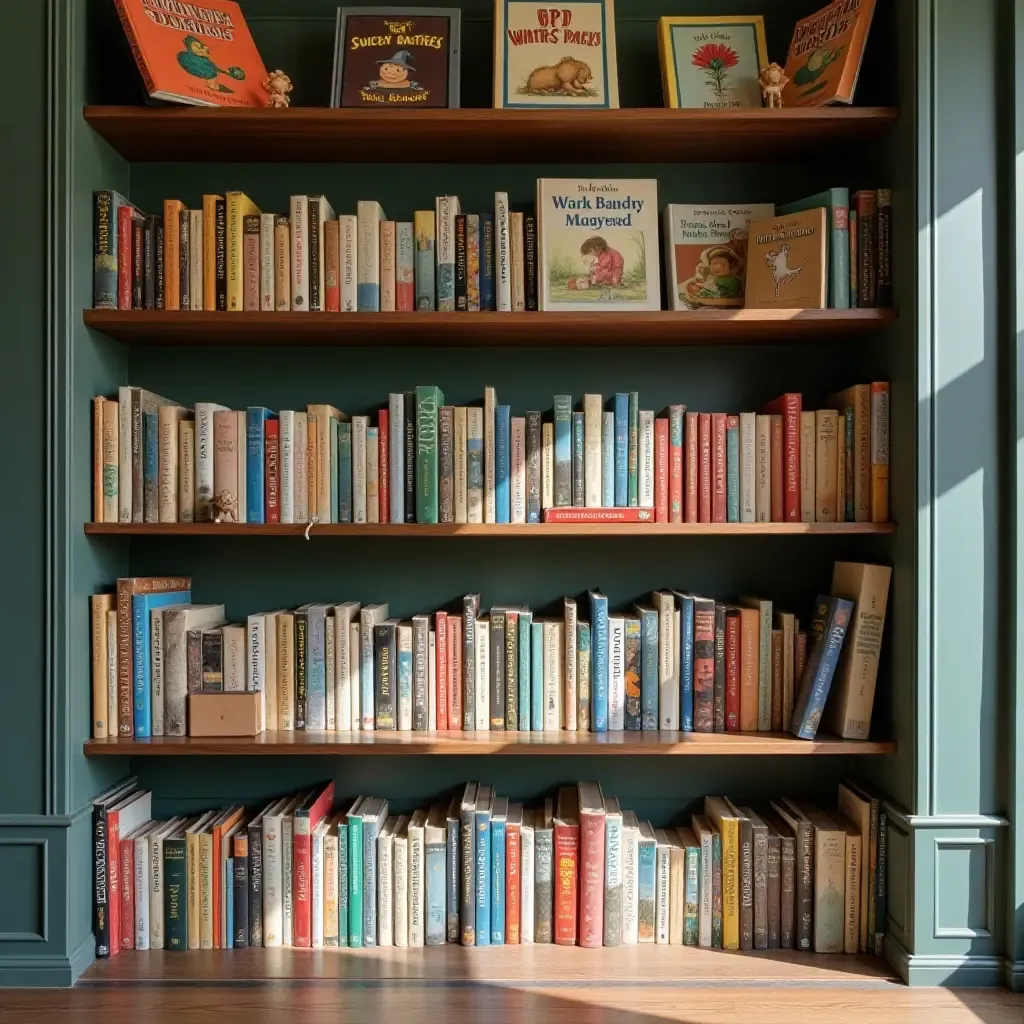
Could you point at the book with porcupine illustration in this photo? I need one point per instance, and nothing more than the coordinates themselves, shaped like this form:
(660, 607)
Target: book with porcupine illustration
(787, 261)
(201, 54)
(598, 244)
(555, 55)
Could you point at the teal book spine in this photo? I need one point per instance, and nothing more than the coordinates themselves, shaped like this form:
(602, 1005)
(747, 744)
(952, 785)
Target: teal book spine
(142, 662)
(335, 426)
(732, 469)
(675, 463)
(525, 646)
(316, 669)
(583, 674)
(621, 449)
(831, 619)
(578, 480)
(537, 676)
(498, 882)
(598, 662)
(370, 835)
(851, 504)
(836, 202)
(150, 468)
(563, 450)
(608, 459)
(355, 881)
(228, 896)
(345, 473)
(692, 895)
(428, 401)
(256, 417)
(716, 891)
(483, 877)
(634, 448)
(175, 895)
(649, 670)
(343, 885)
(435, 901)
(502, 464)
(646, 901)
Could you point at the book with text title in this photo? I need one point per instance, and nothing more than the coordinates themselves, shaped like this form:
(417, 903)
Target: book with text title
(787, 262)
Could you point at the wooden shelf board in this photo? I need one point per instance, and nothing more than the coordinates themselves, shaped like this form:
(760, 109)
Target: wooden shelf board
(484, 530)
(481, 135)
(653, 328)
(518, 743)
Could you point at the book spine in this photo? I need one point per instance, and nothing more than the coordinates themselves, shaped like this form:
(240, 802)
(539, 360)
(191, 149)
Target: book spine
(343, 884)
(149, 258)
(369, 880)
(633, 449)
(839, 249)
(719, 468)
(867, 255)
(240, 882)
(497, 881)
(530, 260)
(880, 882)
(776, 470)
(649, 670)
(487, 289)
(420, 639)
(184, 246)
(621, 450)
(473, 262)
(423, 227)
(272, 466)
(175, 883)
(533, 467)
(452, 874)
(446, 464)
(854, 263)
(808, 436)
(410, 460)
(879, 452)
(646, 460)
(482, 875)
(124, 256)
(583, 677)
(368, 217)
(443, 664)
(578, 461)
(387, 266)
(537, 676)
(608, 459)
(332, 266)
(254, 894)
(661, 470)
(705, 469)
(599, 697)
(691, 508)
(592, 426)
(461, 265)
(675, 441)
(405, 298)
(763, 469)
(703, 665)
(127, 871)
(591, 877)
(251, 263)
(255, 465)
(105, 249)
(345, 496)
(150, 443)
(396, 457)
(428, 399)
(563, 495)
(447, 208)
(632, 718)
(565, 883)
(883, 232)
(434, 886)
(355, 881)
(502, 254)
(515, 231)
(787, 894)
(646, 891)
(467, 890)
(502, 464)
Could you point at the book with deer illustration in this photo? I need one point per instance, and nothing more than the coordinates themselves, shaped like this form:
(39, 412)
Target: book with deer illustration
(825, 54)
(548, 55)
(598, 244)
(787, 261)
(706, 253)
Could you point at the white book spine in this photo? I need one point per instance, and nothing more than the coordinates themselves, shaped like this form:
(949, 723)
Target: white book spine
(143, 880)
(348, 238)
(612, 875)
(326, 213)
(432, 682)
(342, 670)
(706, 868)
(518, 470)
(416, 885)
(482, 633)
(446, 209)
(299, 208)
(474, 490)
(570, 665)
(156, 658)
(630, 903)
(270, 696)
(316, 862)
(359, 427)
(267, 296)
(645, 476)
(205, 449)
(808, 462)
(330, 710)
(668, 685)
(124, 456)
(748, 474)
(461, 479)
(616, 673)
(553, 671)
(156, 892)
(287, 841)
(526, 880)
(763, 469)
(368, 259)
(387, 266)
(354, 660)
(502, 254)
(547, 465)
(592, 425)
(256, 661)
(396, 457)
(661, 895)
(403, 644)
(400, 856)
(490, 400)
(372, 500)
(367, 620)
(273, 902)
(195, 261)
(300, 467)
(385, 890)
(286, 466)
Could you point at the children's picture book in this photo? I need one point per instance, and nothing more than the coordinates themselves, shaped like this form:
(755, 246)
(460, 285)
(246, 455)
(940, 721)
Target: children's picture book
(397, 57)
(548, 55)
(706, 253)
(203, 56)
(787, 261)
(598, 244)
(712, 62)
(825, 54)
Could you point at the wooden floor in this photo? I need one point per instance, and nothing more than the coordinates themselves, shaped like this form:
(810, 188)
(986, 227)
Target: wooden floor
(638, 985)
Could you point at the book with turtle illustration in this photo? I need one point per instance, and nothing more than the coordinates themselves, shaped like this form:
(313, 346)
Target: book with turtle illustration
(396, 57)
(706, 253)
(207, 59)
(598, 244)
(787, 261)
(825, 54)
(560, 55)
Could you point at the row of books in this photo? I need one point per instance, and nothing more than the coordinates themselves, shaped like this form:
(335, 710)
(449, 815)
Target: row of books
(677, 661)
(421, 461)
(483, 870)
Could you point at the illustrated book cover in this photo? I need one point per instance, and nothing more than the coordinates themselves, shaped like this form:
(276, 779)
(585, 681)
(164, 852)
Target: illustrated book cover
(787, 262)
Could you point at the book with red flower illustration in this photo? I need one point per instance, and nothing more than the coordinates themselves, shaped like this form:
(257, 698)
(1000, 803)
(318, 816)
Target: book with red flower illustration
(712, 62)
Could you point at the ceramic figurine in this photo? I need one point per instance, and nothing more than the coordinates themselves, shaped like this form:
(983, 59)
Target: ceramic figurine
(773, 80)
(278, 84)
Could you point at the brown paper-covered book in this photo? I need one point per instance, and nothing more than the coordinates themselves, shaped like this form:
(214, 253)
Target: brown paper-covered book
(787, 262)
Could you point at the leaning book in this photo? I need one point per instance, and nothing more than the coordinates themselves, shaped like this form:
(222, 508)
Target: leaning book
(787, 262)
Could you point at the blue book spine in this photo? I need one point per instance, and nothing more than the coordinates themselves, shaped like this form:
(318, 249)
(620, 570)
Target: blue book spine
(649, 670)
(316, 669)
(634, 448)
(487, 261)
(599, 662)
(228, 881)
(831, 620)
(256, 417)
(355, 881)
(435, 886)
(621, 449)
(525, 677)
(345, 473)
(498, 882)
(537, 677)
(396, 457)
(502, 463)
(150, 466)
(370, 883)
(563, 450)
(454, 859)
(646, 857)
(608, 460)
(732, 469)
(686, 662)
(483, 878)
(578, 479)
(426, 292)
(142, 664)
(335, 503)
(343, 885)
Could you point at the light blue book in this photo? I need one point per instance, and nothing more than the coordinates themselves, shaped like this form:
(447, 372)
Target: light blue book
(342, 884)
(335, 471)
(836, 202)
(423, 265)
(685, 661)
(142, 657)
(396, 455)
(227, 933)
(256, 417)
(316, 669)
(498, 816)
(404, 681)
(691, 919)
(649, 667)
(579, 483)
(621, 449)
(483, 865)
(355, 875)
(732, 469)
(675, 443)
(598, 662)
(828, 628)
(537, 676)
(634, 448)
(150, 467)
(608, 459)
(525, 677)
(645, 872)
(436, 903)
(502, 463)
(563, 450)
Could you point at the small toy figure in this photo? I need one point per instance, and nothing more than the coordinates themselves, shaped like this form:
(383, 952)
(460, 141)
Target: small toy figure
(278, 84)
(772, 80)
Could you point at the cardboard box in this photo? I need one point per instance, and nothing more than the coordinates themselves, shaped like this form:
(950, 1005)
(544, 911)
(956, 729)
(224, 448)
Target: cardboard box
(225, 714)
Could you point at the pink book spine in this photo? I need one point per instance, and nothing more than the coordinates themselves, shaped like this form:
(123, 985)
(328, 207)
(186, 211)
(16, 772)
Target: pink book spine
(705, 467)
(692, 463)
(591, 923)
(441, 672)
(661, 471)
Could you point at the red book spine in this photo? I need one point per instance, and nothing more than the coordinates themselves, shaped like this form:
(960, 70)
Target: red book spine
(114, 881)
(567, 853)
(302, 869)
(778, 487)
(591, 879)
(454, 672)
(705, 467)
(732, 672)
(332, 266)
(718, 467)
(675, 485)
(384, 473)
(272, 448)
(127, 893)
(661, 471)
(599, 515)
(441, 669)
(692, 462)
(512, 898)
(124, 257)
(789, 406)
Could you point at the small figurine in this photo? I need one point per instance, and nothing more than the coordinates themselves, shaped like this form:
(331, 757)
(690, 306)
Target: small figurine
(772, 80)
(278, 84)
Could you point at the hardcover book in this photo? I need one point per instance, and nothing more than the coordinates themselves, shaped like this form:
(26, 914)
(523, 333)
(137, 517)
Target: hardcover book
(788, 262)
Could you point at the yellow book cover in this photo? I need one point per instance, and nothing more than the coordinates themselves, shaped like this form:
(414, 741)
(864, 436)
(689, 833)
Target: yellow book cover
(239, 206)
(100, 605)
(172, 253)
(787, 261)
(210, 251)
(312, 466)
(729, 827)
(206, 891)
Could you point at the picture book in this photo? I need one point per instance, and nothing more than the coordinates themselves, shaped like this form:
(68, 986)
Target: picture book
(706, 253)
(555, 56)
(787, 262)
(204, 56)
(598, 244)
(825, 54)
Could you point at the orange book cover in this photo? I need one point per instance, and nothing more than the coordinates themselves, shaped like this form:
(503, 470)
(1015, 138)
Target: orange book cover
(750, 654)
(825, 54)
(197, 53)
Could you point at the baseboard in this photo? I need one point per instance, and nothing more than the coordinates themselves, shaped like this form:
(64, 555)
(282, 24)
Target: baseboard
(949, 971)
(1013, 975)
(46, 971)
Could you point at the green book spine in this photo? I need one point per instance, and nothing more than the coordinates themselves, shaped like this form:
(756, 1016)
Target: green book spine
(355, 881)
(343, 887)
(428, 401)
(633, 457)
(175, 895)
(691, 918)
(716, 891)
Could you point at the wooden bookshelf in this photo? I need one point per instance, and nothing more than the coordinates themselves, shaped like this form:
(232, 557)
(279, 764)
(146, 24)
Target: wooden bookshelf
(482, 135)
(486, 330)
(490, 530)
(517, 743)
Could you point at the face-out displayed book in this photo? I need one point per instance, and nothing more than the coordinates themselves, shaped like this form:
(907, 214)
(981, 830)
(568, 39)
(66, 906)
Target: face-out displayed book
(706, 253)
(825, 54)
(548, 55)
(787, 262)
(598, 244)
(207, 59)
